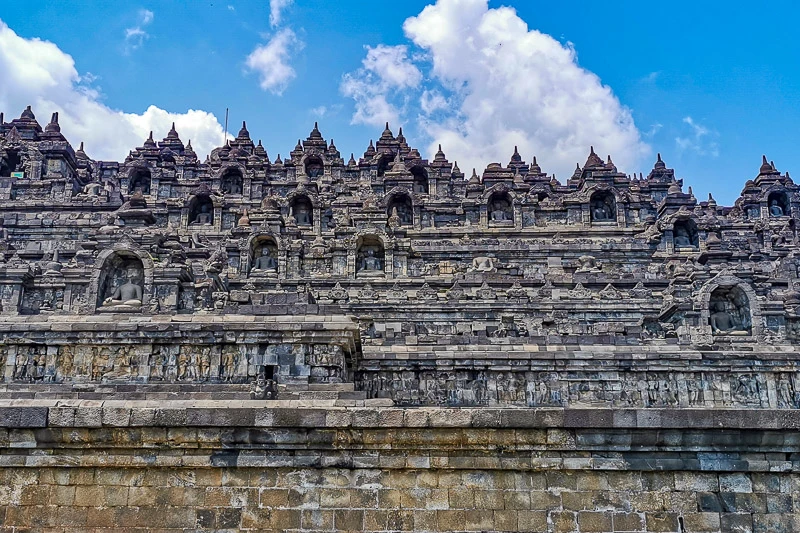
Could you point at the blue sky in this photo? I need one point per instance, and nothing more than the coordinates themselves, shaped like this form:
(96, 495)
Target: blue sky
(710, 85)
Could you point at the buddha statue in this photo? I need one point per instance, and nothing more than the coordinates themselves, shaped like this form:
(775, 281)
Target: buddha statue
(205, 216)
(129, 293)
(775, 209)
(369, 262)
(601, 211)
(587, 263)
(302, 215)
(91, 190)
(721, 320)
(682, 238)
(499, 214)
(265, 262)
(483, 264)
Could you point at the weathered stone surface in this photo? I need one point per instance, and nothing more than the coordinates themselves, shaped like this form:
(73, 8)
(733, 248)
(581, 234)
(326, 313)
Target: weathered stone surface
(309, 344)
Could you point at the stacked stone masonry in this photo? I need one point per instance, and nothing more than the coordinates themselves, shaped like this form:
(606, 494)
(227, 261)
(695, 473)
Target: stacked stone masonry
(385, 344)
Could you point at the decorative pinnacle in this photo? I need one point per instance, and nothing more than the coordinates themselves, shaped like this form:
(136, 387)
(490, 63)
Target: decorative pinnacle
(766, 168)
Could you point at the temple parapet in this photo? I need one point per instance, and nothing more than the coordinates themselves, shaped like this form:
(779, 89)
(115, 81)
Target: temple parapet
(107, 270)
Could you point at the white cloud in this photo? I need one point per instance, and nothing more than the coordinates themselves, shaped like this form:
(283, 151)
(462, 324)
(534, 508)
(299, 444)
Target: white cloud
(38, 73)
(319, 111)
(432, 101)
(500, 84)
(271, 61)
(386, 71)
(135, 36)
(652, 77)
(654, 128)
(700, 139)
(275, 8)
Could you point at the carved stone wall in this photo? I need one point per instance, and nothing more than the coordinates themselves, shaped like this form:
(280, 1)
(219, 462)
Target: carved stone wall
(424, 350)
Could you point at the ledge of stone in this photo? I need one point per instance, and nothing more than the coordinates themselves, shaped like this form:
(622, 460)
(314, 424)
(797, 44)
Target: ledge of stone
(34, 413)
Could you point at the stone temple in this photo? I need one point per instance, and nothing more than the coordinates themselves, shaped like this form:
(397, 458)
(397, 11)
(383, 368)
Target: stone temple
(308, 343)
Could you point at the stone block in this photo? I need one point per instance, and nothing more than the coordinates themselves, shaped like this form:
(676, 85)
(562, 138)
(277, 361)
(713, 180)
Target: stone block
(662, 522)
(736, 482)
(23, 417)
(736, 522)
(628, 522)
(595, 522)
(318, 519)
(478, 521)
(452, 520)
(701, 522)
(562, 521)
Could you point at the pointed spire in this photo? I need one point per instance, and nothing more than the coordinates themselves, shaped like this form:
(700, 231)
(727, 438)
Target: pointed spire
(53, 126)
(173, 133)
(189, 151)
(474, 179)
(535, 168)
(711, 201)
(243, 135)
(456, 170)
(80, 154)
(439, 155)
(2, 118)
(515, 157)
(244, 220)
(278, 160)
(150, 143)
(660, 162)
(766, 168)
(298, 146)
(260, 151)
(387, 134)
(352, 161)
(397, 164)
(28, 114)
(370, 151)
(315, 133)
(593, 160)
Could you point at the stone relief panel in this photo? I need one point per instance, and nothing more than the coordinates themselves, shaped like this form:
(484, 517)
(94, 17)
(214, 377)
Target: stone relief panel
(598, 389)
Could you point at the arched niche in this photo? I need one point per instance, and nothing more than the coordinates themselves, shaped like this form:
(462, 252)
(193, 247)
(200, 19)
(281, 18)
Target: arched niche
(420, 179)
(314, 167)
(402, 205)
(12, 162)
(264, 256)
(500, 207)
(603, 207)
(201, 211)
(778, 204)
(684, 234)
(231, 181)
(370, 256)
(302, 210)
(121, 281)
(139, 180)
(729, 311)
